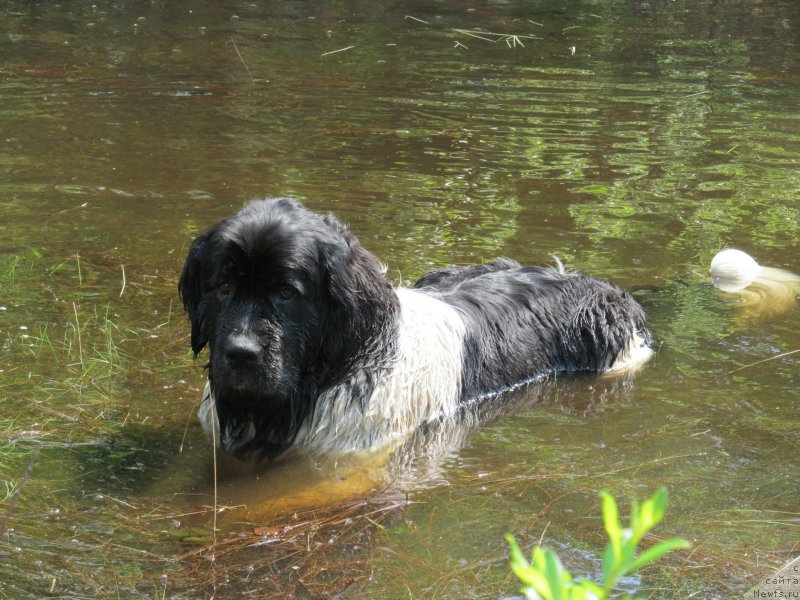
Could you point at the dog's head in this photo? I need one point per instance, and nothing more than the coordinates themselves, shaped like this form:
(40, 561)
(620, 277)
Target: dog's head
(288, 303)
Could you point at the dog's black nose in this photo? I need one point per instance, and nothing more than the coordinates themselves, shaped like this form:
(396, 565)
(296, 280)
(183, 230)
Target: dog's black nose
(241, 349)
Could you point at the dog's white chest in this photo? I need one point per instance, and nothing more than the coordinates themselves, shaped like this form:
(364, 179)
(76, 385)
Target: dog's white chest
(422, 384)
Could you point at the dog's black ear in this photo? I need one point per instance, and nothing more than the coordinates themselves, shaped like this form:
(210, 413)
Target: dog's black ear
(355, 276)
(363, 302)
(190, 288)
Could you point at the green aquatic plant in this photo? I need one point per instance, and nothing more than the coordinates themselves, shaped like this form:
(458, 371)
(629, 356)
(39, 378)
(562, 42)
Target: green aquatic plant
(545, 578)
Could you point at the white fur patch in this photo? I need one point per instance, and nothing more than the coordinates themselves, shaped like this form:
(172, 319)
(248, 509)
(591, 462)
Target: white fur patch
(207, 415)
(423, 383)
(635, 354)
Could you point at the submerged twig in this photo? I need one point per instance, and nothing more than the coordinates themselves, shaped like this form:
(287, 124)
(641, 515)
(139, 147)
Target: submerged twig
(78, 330)
(15, 496)
(510, 39)
(80, 273)
(337, 51)
(185, 430)
(475, 35)
(214, 450)
(214, 516)
(758, 362)
(241, 58)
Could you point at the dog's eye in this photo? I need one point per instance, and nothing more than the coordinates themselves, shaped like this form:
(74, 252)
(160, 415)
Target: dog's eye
(224, 289)
(287, 291)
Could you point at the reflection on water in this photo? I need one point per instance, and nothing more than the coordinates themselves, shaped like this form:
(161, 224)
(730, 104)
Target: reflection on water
(300, 479)
(631, 140)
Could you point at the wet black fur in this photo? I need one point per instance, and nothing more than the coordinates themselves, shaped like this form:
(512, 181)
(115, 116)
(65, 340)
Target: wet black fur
(527, 321)
(302, 289)
(339, 315)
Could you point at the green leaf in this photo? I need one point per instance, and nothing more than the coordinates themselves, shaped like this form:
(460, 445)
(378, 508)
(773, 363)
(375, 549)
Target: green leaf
(653, 509)
(611, 519)
(577, 593)
(520, 566)
(593, 591)
(637, 531)
(628, 552)
(531, 578)
(516, 553)
(657, 551)
(541, 577)
(553, 573)
(660, 500)
(610, 566)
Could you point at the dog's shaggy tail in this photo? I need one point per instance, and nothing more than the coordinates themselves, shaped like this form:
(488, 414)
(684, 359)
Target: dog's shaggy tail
(770, 290)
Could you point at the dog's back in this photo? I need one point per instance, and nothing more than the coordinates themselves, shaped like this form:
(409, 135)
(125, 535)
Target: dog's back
(523, 322)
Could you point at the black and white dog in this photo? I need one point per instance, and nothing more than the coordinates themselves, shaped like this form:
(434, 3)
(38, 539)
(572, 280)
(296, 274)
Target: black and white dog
(311, 346)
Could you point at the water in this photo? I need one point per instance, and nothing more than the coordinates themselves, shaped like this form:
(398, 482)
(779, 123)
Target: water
(630, 140)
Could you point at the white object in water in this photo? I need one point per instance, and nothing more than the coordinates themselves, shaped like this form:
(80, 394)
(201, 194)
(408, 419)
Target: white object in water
(733, 270)
(765, 291)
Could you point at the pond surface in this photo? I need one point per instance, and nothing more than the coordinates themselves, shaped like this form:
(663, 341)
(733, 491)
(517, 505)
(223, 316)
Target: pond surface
(632, 140)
